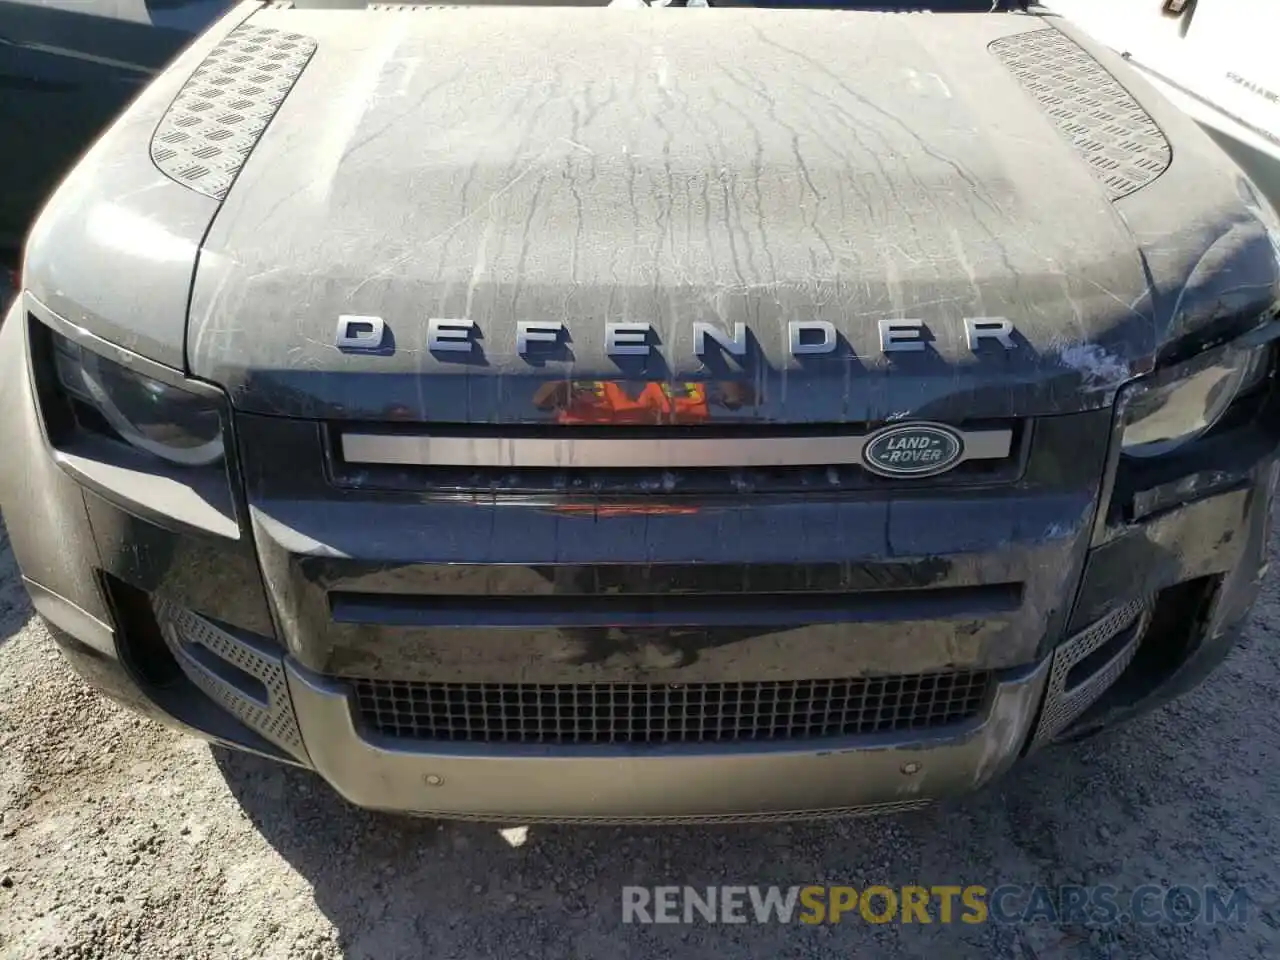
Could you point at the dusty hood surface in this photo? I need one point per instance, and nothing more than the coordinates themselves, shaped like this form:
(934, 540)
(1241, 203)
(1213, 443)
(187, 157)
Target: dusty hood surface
(672, 168)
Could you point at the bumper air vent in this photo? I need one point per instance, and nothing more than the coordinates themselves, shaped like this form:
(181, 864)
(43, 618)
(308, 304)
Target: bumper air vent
(1087, 665)
(236, 670)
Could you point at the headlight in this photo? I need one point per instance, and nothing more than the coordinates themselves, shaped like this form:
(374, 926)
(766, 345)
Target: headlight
(160, 419)
(1160, 419)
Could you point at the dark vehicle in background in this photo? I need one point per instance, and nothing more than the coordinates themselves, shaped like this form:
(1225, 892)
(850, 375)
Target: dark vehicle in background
(67, 68)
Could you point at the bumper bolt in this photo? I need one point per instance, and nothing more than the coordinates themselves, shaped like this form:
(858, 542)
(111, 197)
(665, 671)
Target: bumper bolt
(910, 767)
(433, 779)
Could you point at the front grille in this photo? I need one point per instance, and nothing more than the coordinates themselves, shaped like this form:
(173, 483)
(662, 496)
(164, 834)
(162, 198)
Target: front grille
(591, 483)
(641, 713)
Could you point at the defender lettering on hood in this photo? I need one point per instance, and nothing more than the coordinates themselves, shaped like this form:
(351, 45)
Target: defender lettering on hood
(803, 337)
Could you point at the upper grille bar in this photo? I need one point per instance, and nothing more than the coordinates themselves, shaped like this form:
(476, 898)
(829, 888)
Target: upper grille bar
(668, 610)
(675, 453)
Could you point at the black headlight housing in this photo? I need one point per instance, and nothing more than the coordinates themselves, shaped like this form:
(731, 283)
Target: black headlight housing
(1163, 414)
(156, 418)
(1194, 429)
(141, 435)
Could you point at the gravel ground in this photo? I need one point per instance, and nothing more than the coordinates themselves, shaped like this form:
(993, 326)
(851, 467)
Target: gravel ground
(119, 838)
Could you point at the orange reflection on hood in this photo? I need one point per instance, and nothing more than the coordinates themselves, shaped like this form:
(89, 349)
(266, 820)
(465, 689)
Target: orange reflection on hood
(649, 402)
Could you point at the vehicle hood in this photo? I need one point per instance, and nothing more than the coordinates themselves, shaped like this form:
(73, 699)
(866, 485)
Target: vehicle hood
(591, 166)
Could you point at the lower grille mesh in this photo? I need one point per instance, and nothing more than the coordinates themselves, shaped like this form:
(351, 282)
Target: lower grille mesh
(668, 713)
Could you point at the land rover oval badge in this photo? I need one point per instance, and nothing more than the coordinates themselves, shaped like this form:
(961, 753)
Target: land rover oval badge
(912, 450)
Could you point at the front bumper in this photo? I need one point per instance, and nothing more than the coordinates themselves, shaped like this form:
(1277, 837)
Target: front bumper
(841, 776)
(259, 638)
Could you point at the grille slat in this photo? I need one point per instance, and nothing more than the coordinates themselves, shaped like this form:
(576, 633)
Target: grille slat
(700, 482)
(671, 610)
(642, 713)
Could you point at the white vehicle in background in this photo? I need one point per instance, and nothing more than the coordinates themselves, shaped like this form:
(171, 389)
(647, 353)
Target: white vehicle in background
(1216, 59)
